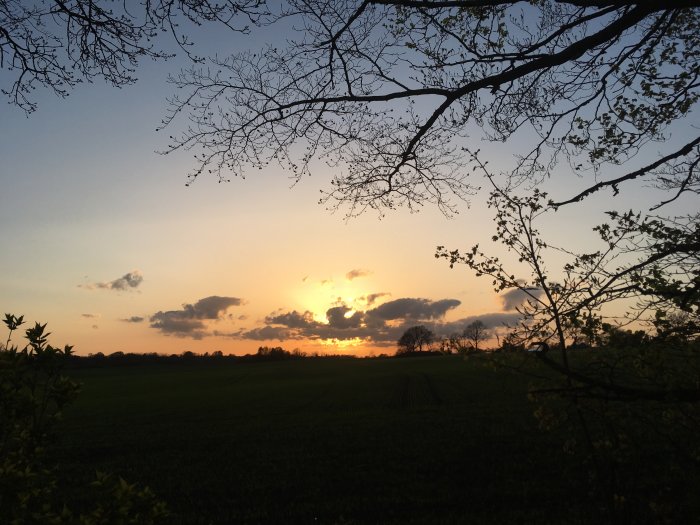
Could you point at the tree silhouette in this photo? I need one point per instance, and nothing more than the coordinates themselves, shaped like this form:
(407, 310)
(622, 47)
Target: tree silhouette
(476, 332)
(387, 90)
(60, 43)
(415, 339)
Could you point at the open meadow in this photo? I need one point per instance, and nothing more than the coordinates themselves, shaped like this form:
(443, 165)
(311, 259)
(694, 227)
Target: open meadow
(327, 440)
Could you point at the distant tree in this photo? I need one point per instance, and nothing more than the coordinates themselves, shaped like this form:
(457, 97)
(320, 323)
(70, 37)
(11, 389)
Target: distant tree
(415, 339)
(616, 337)
(454, 343)
(476, 333)
(277, 353)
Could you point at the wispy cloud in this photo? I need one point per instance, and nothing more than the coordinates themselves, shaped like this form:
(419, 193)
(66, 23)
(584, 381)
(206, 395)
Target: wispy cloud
(190, 320)
(372, 298)
(90, 316)
(354, 274)
(134, 319)
(128, 281)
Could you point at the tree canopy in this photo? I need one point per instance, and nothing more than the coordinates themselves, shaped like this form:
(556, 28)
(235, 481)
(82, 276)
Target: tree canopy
(415, 339)
(393, 94)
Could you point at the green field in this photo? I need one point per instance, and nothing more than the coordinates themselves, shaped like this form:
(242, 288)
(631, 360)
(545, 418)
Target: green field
(419, 440)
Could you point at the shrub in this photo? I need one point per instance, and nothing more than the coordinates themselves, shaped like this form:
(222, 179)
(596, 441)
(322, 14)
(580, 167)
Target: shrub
(33, 394)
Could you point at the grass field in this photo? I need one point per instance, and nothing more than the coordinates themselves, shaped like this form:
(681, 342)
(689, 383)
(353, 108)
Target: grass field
(420, 440)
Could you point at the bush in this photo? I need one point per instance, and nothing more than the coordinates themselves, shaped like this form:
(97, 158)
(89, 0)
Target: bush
(33, 394)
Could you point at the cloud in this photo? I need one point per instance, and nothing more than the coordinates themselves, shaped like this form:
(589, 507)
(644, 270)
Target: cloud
(212, 307)
(354, 274)
(268, 333)
(172, 323)
(189, 321)
(338, 318)
(292, 319)
(90, 316)
(408, 308)
(128, 281)
(515, 297)
(134, 319)
(371, 298)
(380, 326)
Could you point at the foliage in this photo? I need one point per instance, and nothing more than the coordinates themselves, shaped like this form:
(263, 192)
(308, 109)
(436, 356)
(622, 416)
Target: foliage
(619, 434)
(415, 339)
(633, 385)
(33, 394)
(648, 262)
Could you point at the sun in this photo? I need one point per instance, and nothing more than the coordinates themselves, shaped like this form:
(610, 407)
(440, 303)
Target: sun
(317, 298)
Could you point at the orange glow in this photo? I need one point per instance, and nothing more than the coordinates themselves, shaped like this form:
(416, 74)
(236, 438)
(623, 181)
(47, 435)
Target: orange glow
(342, 344)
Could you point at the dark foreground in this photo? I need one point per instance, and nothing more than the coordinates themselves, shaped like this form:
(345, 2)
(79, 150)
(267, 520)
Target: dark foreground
(338, 441)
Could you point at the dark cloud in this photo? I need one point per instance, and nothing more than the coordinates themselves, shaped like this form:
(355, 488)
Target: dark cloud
(380, 326)
(354, 274)
(338, 318)
(515, 297)
(291, 319)
(128, 281)
(173, 323)
(268, 333)
(418, 309)
(211, 307)
(189, 321)
(134, 319)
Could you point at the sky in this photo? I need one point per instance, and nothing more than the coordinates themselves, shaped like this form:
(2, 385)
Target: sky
(105, 242)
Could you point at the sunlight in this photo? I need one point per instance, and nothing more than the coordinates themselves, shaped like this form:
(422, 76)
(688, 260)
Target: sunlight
(319, 297)
(342, 344)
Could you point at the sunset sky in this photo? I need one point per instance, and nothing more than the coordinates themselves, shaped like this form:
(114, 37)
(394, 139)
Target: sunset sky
(104, 242)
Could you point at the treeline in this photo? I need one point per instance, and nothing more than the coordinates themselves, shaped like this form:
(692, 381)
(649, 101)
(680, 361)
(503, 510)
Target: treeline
(264, 353)
(420, 340)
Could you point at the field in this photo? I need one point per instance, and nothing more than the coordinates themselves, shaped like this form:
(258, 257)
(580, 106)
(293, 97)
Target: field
(419, 440)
